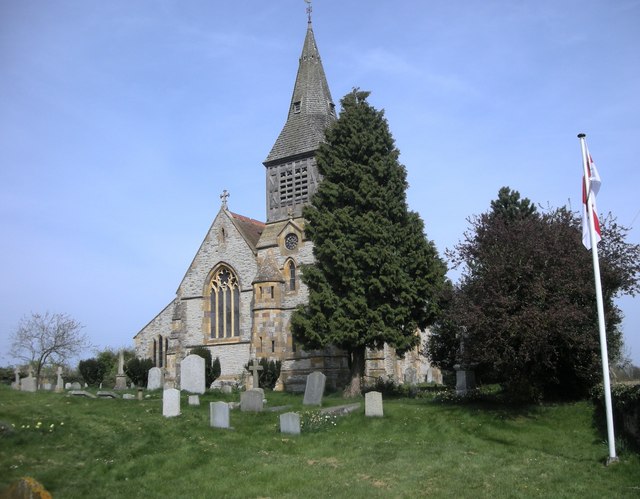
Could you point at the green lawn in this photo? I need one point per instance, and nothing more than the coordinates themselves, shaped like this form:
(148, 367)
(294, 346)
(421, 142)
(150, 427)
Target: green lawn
(125, 448)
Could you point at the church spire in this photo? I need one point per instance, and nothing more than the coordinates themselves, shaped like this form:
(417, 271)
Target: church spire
(311, 109)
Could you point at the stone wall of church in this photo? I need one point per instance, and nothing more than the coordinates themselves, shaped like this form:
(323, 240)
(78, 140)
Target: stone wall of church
(159, 325)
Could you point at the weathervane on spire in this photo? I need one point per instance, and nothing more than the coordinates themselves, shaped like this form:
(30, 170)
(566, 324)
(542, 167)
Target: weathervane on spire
(224, 196)
(309, 10)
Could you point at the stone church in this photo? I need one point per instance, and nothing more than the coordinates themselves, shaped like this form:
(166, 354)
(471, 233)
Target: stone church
(238, 294)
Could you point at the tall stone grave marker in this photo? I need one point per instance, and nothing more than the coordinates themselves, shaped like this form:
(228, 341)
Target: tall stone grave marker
(290, 423)
(219, 414)
(314, 390)
(192, 374)
(155, 379)
(252, 400)
(255, 368)
(16, 384)
(59, 381)
(171, 403)
(121, 377)
(373, 404)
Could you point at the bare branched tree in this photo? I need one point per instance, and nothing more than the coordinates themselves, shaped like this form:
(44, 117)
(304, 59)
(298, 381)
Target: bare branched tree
(42, 339)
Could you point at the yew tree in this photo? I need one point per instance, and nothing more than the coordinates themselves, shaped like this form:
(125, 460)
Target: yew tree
(376, 276)
(526, 300)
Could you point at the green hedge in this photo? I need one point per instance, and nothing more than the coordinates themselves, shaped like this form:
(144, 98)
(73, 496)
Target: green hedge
(625, 400)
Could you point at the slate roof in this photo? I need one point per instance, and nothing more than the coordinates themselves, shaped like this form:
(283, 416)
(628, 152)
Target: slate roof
(250, 229)
(306, 123)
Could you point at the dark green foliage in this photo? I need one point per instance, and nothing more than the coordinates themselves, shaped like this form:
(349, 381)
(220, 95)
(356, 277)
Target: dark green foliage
(376, 275)
(527, 300)
(92, 371)
(211, 368)
(138, 370)
(270, 372)
(7, 375)
(625, 400)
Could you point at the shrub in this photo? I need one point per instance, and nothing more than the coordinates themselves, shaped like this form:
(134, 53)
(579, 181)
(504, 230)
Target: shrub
(92, 371)
(625, 401)
(138, 370)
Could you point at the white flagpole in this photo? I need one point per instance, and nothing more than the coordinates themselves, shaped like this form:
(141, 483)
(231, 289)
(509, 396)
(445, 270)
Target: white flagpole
(601, 326)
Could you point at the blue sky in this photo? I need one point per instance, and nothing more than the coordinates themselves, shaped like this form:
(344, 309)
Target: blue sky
(122, 122)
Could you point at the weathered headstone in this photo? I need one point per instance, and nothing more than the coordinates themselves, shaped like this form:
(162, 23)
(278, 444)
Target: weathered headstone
(82, 393)
(192, 374)
(315, 389)
(75, 386)
(410, 376)
(290, 423)
(252, 400)
(28, 384)
(16, 384)
(226, 389)
(255, 368)
(219, 414)
(121, 377)
(170, 402)
(194, 399)
(155, 381)
(373, 404)
(128, 396)
(107, 395)
(59, 381)
(465, 379)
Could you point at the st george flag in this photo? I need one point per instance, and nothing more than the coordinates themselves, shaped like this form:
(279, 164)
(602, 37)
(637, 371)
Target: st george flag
(593, 185)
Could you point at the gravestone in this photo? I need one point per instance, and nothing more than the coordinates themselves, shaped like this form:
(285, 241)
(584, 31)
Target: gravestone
(107, 395)
(314, 390)
(121, 377)
(170, 402)
(59, 381)
(128, 396)
(16, 384)
(290, 423)
(252, 400)
(465, 379)
(28, 384)
(155, 381)
(219, 415)
(410, 376)
(255, 368)
(194, 399)
(226, 389)
(192, 374)
(75, 386)
(373, 404)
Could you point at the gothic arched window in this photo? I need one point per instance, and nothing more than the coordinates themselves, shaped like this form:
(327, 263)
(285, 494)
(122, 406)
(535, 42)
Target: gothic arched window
(224, 304)
(292, 275)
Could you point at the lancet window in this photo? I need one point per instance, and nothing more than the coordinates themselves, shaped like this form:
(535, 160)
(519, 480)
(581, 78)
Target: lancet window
(224, 304)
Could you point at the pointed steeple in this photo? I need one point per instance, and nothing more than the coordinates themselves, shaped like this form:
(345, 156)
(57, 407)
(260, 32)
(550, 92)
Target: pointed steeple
(311, 109)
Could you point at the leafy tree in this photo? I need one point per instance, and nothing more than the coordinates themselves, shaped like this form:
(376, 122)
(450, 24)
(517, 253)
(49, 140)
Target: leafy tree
(527, 300)
(42, 339)
(375, 276)
(92, 371)
(138, 370)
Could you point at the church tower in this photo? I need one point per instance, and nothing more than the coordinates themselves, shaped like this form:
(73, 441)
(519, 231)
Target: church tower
(292, 175)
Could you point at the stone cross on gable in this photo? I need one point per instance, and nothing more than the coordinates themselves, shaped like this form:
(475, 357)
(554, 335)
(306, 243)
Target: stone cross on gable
(224, 196)
(256, 377)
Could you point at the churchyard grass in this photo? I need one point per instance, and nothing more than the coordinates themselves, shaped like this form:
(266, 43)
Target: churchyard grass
(126, 448)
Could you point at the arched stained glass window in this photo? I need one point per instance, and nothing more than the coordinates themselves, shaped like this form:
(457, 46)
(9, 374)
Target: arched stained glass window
(224, 304)
(292, 276)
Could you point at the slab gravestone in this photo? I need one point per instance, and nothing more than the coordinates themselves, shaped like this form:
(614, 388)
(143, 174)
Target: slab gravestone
(465, 380)
(170, 403)
(219, 415)
(314, 390)
(28, 384)
(155, 380)
(410, 376)
(373, 404)
(75, 386)
(252, 400)
(194, 400)
(290, 423)
(192, 374)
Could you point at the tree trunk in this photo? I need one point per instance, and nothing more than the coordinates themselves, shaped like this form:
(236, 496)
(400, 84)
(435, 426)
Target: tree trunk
(356, 368)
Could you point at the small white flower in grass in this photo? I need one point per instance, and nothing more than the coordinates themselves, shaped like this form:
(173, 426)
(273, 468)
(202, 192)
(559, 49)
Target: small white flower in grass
(51, 425)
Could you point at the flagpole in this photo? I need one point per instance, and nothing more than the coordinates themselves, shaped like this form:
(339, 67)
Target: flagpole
(601, 325)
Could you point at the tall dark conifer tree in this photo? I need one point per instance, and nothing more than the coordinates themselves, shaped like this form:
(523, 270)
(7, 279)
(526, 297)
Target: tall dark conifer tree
(376, 276)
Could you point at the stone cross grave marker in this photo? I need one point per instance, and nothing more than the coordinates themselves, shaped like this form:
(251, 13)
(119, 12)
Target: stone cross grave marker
(155, 379)
(192, 377)
(252, 400)
(219, 414)
(315, 389)
(255, 368)
(59, 381)
(290, 423)
(121, 377)
(171, 403)
(373, 404)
